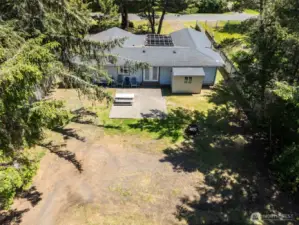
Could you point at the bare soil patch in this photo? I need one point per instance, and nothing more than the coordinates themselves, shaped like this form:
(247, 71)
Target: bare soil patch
(119, 184)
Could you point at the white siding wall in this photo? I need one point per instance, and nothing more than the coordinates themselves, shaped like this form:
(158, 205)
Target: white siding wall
(166, 74)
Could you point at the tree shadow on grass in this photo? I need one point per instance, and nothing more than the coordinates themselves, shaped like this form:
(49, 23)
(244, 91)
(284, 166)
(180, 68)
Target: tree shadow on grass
(84, 116)
(233, 28)
(65, 154)
(171, 125)
(225, 151)
(12, 217)
(154, 114)
(166, 91)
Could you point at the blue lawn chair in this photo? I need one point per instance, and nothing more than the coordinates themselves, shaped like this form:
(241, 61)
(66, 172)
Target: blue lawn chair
(134, 82)
(127, 82)
(120, 81)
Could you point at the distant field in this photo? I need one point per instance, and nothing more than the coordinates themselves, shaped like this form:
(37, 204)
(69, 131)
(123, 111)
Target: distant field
(168, 27)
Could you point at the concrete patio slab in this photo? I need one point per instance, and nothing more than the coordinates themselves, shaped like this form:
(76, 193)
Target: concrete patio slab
(148, 103)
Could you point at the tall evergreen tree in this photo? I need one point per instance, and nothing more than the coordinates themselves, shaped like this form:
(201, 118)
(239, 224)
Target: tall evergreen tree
(269, 75)
(40, 44)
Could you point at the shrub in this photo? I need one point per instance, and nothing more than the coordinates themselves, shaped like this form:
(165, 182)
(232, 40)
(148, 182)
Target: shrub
(16, 177)
(10, 180)
(287, 168)
(213, 6)
(230, 42)
(131, 24)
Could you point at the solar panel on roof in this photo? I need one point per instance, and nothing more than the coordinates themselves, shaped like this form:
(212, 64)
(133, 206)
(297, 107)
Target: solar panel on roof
(158, 40)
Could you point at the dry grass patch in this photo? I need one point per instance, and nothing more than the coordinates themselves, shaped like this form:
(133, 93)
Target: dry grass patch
(91, 215)
(168, 27)
(198, 102)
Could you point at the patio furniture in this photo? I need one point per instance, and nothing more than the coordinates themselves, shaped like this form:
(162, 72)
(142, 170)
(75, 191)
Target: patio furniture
(124, 99)
(134, 82)
(120, 81)
(127, 82)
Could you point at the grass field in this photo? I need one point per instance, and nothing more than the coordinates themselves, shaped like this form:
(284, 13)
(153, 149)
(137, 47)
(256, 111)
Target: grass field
(167, 28)
(230, 35)
(251, 11)
(100, 112)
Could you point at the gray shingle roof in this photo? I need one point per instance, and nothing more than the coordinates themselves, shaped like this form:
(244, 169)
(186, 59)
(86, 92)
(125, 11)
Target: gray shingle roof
(192, 48)
(166, 56)
(109, 34)
(191, 38)
(188, 71)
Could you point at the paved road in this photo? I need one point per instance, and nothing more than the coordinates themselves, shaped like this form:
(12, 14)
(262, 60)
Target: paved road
(235, 16)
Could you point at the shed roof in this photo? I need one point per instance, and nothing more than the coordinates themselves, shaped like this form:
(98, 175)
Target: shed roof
(188, 71)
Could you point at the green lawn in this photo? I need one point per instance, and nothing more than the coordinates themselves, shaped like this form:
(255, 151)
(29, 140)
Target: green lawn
(98, 113)
(223, 30)
(229, 34)
(251, 11)
(247, 11)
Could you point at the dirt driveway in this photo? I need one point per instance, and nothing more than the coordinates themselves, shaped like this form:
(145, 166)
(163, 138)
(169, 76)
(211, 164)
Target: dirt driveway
(119, 184)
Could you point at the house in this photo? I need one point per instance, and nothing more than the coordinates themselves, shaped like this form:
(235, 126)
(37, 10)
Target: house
(184, 59)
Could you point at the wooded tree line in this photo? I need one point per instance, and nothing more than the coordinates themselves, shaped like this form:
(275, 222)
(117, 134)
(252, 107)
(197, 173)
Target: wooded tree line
(269, 74)
(155, 10)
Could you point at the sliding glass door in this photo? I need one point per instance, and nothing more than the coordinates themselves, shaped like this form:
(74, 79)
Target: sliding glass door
(151, 74)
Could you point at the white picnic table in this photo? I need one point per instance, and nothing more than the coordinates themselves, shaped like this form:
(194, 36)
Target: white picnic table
(124, 95)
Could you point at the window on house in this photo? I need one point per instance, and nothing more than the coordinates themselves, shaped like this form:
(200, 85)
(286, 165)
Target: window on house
(188, 80)
(124, 70)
